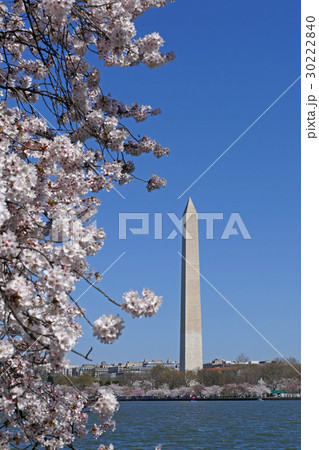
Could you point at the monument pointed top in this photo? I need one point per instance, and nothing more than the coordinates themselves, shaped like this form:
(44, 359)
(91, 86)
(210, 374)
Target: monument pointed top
(190, 208)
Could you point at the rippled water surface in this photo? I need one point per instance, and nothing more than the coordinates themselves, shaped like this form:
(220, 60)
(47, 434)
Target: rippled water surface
(204, 425)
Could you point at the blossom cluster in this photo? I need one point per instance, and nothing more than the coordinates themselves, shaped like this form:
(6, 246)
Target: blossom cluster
(148, 304)
(6, 350)
(49, 414)
(108, 328)
(106, 404)
(155, 182)
(99, 430)
(105, 28)
(104, 447)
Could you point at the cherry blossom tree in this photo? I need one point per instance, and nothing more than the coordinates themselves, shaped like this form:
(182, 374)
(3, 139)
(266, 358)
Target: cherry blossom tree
(61, 141)
(232, 388)
(212, 391)
(259, 389)
(290, 385)
(182, 392)
(197, 389)
(118, 390)
(245, 388)
(139, 392)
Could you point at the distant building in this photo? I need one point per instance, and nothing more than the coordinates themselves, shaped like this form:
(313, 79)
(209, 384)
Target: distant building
(86, 368)
(224, 363)
(72, 371)
(101, 370)
(104, 370)
(114, 370)
(214, 363)
(132, 367)
(173, 365)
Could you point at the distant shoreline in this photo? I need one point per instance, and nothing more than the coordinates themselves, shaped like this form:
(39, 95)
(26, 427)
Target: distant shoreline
(204, 399)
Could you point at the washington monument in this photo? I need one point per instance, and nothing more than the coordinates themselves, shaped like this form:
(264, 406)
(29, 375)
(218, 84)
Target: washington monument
(191, 354)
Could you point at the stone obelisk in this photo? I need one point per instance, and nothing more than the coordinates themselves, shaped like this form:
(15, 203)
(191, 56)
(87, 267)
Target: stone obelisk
(191, 354)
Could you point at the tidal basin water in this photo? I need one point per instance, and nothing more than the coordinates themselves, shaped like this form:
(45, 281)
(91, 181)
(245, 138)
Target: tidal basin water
(204, 425)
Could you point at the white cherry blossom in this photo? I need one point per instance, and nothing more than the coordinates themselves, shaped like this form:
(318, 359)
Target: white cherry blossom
(50, 171)
(108, 328)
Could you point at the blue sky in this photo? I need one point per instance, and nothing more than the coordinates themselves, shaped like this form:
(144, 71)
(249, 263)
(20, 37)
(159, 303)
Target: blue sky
(233, 59)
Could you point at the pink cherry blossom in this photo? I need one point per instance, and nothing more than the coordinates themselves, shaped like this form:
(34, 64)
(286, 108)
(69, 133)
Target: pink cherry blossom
(50, 171)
